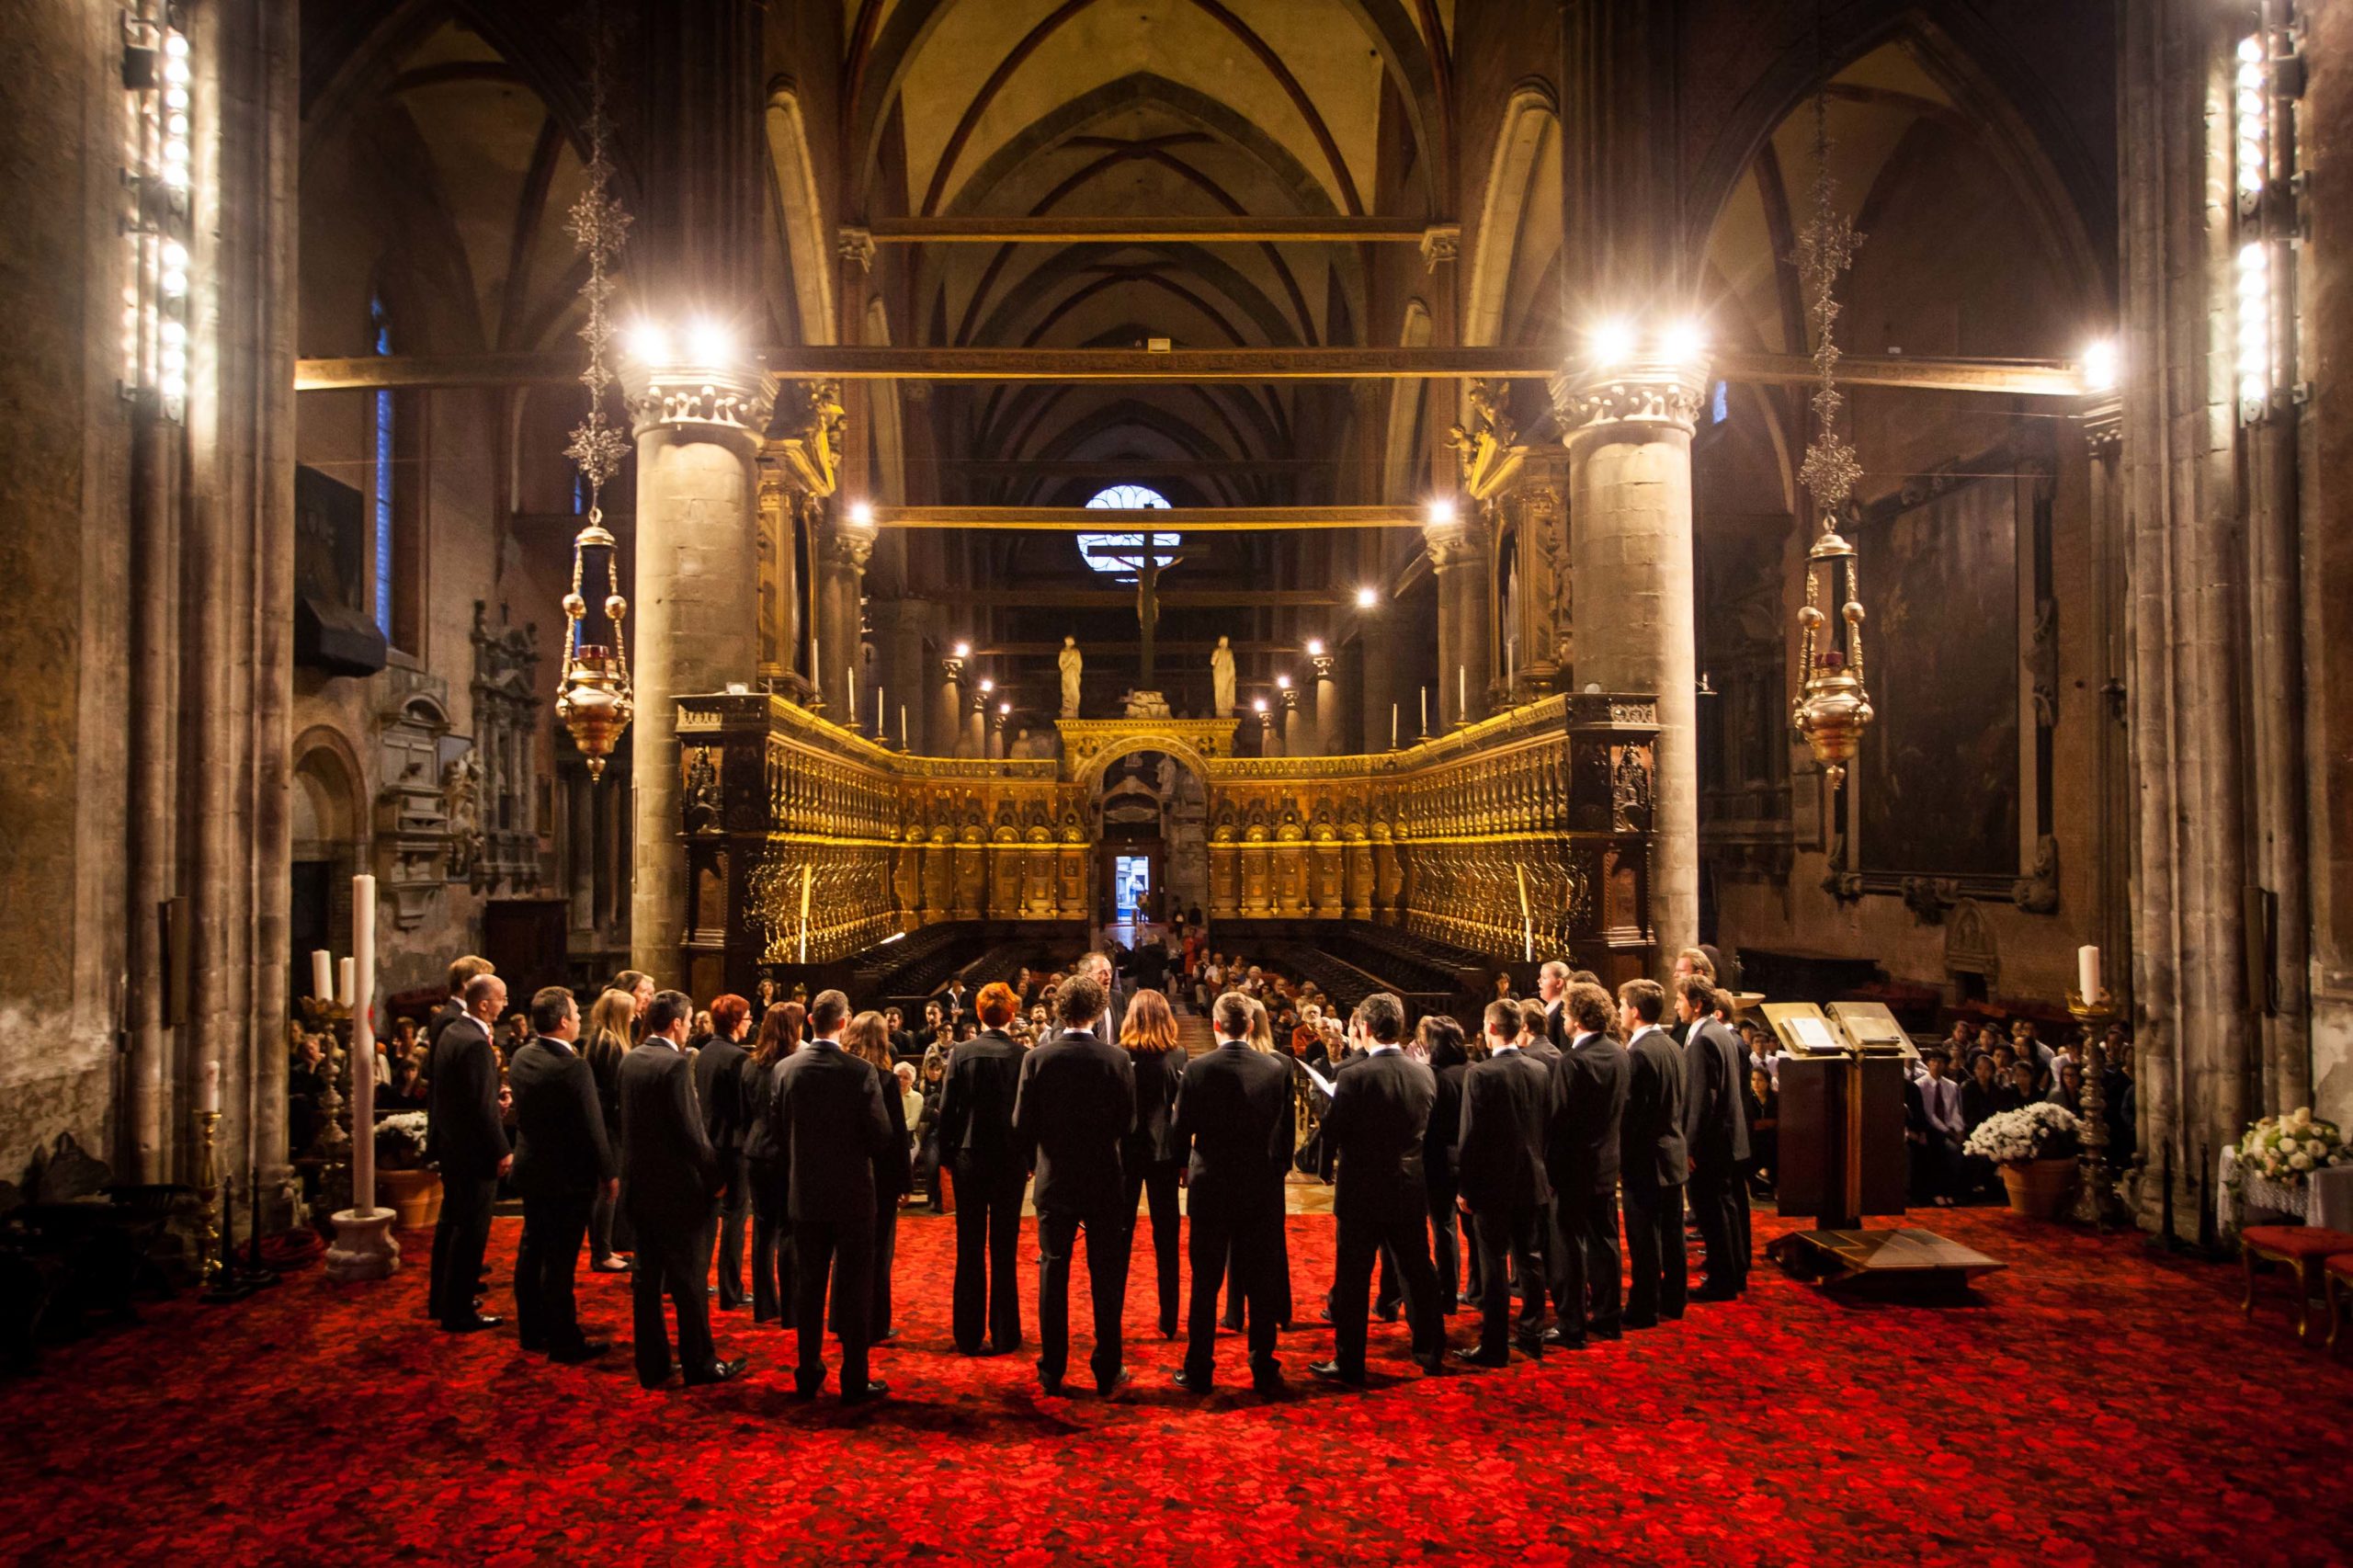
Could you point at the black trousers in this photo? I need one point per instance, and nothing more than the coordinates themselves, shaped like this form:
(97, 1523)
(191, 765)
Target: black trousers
(1106, 1283)
(546, 1313)
(1654, 1254)
(1407, 1243)
(1713, 1192)
(845, 1251)
(1446, 1237)
(886, 1254)
(727, 1219)
(1157, 1184)
(771, 1244)
(460, 1238)
(988, 1236)
(1246, 1240)
(1507, 1237)
(673, 1257)
(1281, 1286)
(1583, 1261)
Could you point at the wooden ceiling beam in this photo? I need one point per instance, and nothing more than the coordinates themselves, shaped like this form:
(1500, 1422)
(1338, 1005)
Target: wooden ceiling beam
(1186, 521)
(2009, 378)
(1170, 598)
(1053, 230)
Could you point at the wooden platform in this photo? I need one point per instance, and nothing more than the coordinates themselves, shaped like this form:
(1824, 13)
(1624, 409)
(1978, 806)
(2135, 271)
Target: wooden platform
(1900, 1262)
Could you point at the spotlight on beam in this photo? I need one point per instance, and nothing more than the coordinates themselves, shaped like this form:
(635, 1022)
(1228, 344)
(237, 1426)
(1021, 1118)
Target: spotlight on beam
(1441, 511)
(2099, 366)
(963, 650)
(1368, 598)
(862, 513)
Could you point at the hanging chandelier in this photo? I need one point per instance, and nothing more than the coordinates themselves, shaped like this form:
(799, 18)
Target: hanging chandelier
(1834, 707)
(596, 701)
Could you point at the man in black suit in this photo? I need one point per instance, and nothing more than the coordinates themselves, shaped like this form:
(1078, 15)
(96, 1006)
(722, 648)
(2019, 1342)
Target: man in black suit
(466, 1138)
(562, 1158)
(992, 1170)
(1233, 1124)
(1074, 1106)
(1536, 1033)
(1581, 1158)
(834, 1130)
(719, 1087)
(1499, 1156)
(1652, 1164)
(674, 1179)
(1114, 1017)
(1374, 1128)
(1715, 1135)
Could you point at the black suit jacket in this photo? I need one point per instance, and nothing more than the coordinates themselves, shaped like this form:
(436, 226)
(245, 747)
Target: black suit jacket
(893, 1175)
(673, 1172)
(835, 1131)
(1233, 1121)
(1157, 1074)
(1650, 1138)
(720, 1068)
(1381, 1109)
(1446, 1125)
(1589, 1104)
(561, 1150)
(1541, 1048)
(1715, 1121)
(976, 1104)
(463, 1132)
(1075, 1105)
(1507, 1100)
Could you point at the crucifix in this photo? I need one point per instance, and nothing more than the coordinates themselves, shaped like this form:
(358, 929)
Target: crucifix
(1148, 570)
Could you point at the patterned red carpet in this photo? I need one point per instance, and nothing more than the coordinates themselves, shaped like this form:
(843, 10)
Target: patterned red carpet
(2095, 1405)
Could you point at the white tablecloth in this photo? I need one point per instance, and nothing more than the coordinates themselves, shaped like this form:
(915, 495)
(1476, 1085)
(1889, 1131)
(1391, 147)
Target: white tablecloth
(2326, 1199)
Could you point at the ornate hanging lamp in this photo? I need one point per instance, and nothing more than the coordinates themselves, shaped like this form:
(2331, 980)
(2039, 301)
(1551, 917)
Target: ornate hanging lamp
(595, 701)
(1834, 707)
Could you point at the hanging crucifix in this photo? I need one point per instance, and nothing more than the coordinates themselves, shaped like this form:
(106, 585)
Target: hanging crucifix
(1149, 565)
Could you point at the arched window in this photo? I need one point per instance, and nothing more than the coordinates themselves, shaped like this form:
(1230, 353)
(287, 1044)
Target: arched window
(384, 416)
(396, 485)
(1121, 555)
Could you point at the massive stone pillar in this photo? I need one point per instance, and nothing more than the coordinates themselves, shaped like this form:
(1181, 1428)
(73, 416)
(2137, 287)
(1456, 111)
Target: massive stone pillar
(2112, 836)
(780, 591)
(844, 547)
(1327, 703)
(1629, 432)
(694, 605)
(1295, 741)
(948, 708)
(898, 634)
(1461, 550)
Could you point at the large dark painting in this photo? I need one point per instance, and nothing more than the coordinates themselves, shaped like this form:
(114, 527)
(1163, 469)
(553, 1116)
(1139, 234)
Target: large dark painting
(1939, 769)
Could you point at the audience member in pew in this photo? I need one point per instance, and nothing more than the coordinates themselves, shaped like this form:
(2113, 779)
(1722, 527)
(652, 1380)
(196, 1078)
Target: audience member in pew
(1502, 989)
(902, 1040)
(2067, 1093)
(2017, 1089)
(1764, 1132)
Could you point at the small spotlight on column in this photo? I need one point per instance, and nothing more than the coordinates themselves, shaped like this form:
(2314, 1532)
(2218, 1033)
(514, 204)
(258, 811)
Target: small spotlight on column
(1257, 705)
(1441, 511)
(1315, 646)
(963, 650)
(1368, 598)
(1282, 683)
(1611, 341)
(1683, 342)
(648, 343)
(987, 687)
(863, 514)
(2099, 366)
(710, 343)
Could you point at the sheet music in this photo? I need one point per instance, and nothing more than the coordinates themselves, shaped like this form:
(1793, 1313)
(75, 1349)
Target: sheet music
(1813, 1034)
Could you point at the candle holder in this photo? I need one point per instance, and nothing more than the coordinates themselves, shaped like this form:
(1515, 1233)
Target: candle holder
(2096, 1202)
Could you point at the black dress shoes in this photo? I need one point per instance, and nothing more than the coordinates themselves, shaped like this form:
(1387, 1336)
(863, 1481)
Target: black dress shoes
(1388, 1311)
(472, 1324)
(1051, 1387)
(574, 1355)
(875, 1389)
(1189, 1383)
(1333, 1372)
(1554, 1336)
(1711, 1292)
(1270, 1383)
(1431, 1365)
(1472, 1355)
(884, 1339)
(1118, 1380)
(720, 1372)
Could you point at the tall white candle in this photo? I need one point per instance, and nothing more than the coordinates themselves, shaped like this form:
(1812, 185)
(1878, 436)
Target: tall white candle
(208, 1090)
(321, 975)
(882, 712)
(852, 684)
(814, 665)
(343, 982)
(1392, 726)
(1425, 710)
(363, 1044)
(2087, 972)
(1461, 693)
(902, 727)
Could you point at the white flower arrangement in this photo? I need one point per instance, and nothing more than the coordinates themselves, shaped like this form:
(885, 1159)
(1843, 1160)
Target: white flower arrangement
(400, 1140)
(2283, 1149)
(2015, 1137)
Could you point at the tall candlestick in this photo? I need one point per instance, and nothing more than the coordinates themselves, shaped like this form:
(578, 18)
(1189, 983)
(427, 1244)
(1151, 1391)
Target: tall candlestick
(321, 975)
(363, 1043)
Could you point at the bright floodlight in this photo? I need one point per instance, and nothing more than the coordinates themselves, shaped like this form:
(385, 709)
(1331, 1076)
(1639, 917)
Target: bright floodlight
(1612, 341)
(1257, 705)
(1441, 511)
(1005, 710)
(1367, 597)
(863, 514)
(648, 344)
(1683, 341)
(708, 343)
(1315, 647)
(1283, 682)
(963, 650)
(2099, 366)
(987, 687)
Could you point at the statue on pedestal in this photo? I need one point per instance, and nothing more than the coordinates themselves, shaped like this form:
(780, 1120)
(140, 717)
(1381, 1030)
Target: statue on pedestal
(1221, 677)
(1072, 661)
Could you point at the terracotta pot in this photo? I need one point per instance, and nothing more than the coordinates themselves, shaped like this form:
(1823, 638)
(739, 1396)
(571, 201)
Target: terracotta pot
(414, 1196)
(2040, 1189)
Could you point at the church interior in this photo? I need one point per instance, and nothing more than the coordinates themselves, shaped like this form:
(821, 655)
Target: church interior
(1362, 504)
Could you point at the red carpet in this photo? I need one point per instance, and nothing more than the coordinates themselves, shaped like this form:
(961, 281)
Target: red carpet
(2096, 1405)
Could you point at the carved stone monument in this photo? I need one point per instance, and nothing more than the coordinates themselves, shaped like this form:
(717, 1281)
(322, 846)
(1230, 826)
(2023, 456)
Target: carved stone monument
(1071, 662)
(1221, 677)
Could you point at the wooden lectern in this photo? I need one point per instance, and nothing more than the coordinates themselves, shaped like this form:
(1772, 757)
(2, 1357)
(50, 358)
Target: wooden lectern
(1842, 1154)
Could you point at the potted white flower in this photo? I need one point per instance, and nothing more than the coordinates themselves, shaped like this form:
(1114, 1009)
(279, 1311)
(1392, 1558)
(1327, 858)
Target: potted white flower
(411, 1188)
(2035, 1146)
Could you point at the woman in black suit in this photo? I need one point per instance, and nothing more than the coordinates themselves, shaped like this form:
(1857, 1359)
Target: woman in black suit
(1148, 1157)
(869, 1038)
(779, 1037)
(605, 1039)
(1441, 1037)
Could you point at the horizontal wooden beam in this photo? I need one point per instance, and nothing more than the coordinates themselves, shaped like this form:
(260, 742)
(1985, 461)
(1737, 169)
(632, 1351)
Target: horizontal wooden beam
(1189, 520)
(1170, 598)
(2013, 378)
(1141, 231)
(1130, 649)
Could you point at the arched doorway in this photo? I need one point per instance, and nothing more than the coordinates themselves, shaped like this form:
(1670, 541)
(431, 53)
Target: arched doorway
(1150, 813)
(328, 825)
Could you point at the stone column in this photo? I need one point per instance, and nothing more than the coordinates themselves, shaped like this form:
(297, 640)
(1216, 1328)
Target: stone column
(1294, 725)
(2112, 838)
(1271, 735)
(946, 709)
(976, 724)
(779, 556)
(996, 723)
(1460, 548)
(694, 605)
(844, 547)
(580, 801)
(1327, 708)
(1630, 485)
(898, 632)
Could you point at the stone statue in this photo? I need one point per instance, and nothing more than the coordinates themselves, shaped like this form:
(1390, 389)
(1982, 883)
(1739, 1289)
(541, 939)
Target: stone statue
(1072, 661)
(1221, 677)
(460, 804)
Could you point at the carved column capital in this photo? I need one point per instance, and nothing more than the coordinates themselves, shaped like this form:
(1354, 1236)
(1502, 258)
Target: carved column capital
(855, 243)
(1642, 391)
(1459, 543)
(1323, 664)
(731, 403)
(2104, 426)
(952, 670)
(1440, 242)
(847, 543)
